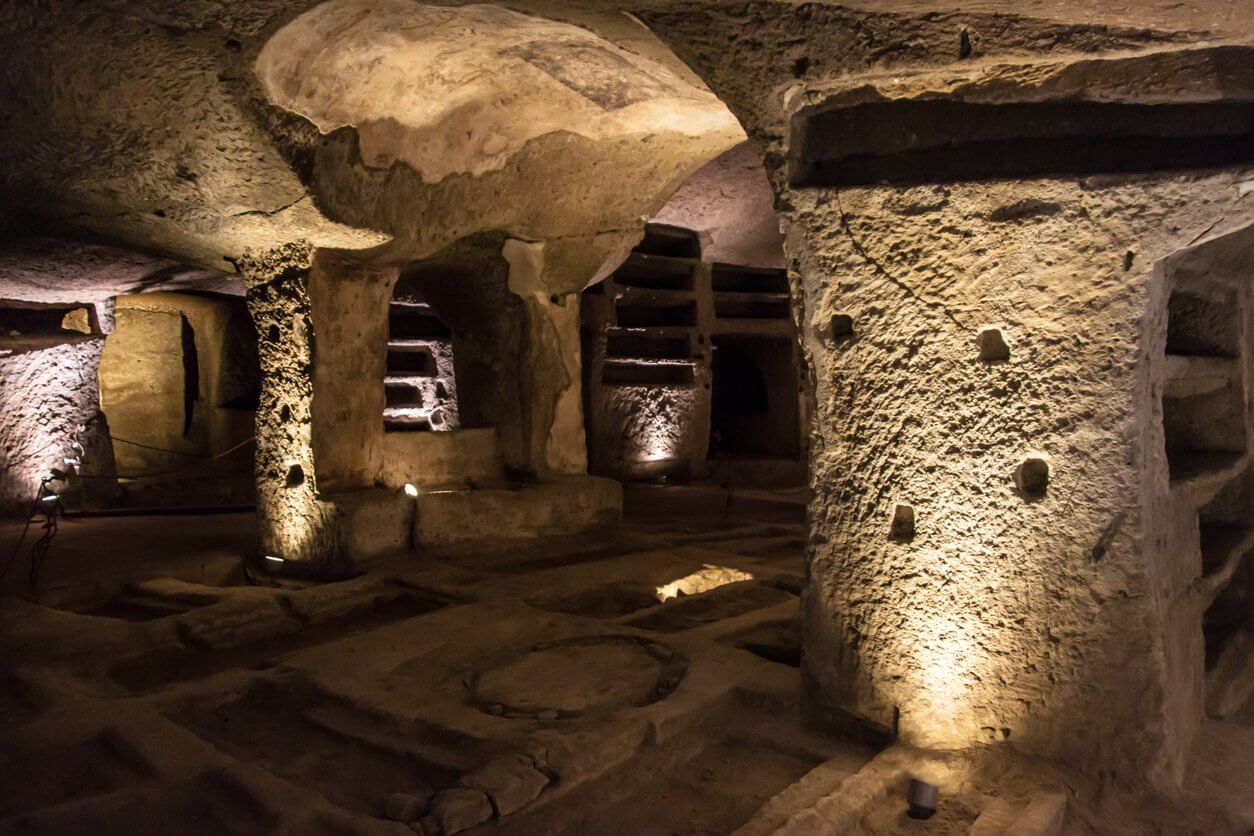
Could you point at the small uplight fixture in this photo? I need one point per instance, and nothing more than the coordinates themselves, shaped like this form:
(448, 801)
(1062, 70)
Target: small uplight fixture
(275, 563)
(922, 799)
(410, 490)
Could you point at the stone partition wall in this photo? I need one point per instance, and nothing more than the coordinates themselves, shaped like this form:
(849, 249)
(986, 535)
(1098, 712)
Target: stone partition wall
(319, 430)
(982, 563)
(349, 302)
(548, 277)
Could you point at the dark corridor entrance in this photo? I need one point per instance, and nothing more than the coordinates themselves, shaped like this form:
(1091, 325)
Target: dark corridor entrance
(753, 410)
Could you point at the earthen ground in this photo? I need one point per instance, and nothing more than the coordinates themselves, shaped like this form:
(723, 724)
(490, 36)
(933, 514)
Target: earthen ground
(157, 687)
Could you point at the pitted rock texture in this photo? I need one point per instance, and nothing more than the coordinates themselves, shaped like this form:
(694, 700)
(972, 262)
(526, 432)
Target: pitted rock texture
(994, 619)
(48, 399)
(293, 523)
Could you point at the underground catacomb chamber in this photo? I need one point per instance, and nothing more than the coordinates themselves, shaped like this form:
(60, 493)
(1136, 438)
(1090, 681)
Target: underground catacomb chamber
(670, 446)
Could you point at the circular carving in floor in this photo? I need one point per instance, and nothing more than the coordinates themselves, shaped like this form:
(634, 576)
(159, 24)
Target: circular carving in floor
(572, 677)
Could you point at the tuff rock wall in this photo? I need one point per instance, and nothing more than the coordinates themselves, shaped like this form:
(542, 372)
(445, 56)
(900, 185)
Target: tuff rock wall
(50, 402)
(955, 595)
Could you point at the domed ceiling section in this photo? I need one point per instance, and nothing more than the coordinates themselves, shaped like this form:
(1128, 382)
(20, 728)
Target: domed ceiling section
(451, 90)
(391, 127)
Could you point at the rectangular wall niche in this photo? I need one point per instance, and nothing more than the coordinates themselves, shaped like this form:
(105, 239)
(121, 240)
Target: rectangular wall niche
(26, 319)
(419, 389)
(1206, 429)
(1204, 421)
(931, 141)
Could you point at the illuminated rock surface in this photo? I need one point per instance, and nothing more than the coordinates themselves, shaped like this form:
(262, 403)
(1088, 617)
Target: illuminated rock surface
(423, 281)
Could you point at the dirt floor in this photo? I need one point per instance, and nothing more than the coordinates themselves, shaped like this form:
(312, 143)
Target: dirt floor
(641, 682)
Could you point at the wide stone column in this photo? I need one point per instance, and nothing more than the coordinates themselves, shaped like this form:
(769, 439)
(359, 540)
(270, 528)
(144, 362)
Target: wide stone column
(321, 326)
(987, 559)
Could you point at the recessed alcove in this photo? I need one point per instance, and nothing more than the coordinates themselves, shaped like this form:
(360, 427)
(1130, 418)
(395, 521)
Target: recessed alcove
(936, 140)
(670, 241)
(630, 373)
(655, 272)
(419, 378)
(32, 320)
(1204, 323)
(632, 344)
(648, 314)
(1203, 403)
(732, 278)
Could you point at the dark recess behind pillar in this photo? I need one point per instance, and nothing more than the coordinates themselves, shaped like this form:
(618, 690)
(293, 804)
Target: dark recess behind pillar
(754, 410)
(191, 375)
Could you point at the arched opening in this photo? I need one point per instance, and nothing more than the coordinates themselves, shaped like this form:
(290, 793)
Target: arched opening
(699, 310)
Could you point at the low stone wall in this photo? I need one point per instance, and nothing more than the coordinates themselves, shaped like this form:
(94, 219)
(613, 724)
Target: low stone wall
(437, 458)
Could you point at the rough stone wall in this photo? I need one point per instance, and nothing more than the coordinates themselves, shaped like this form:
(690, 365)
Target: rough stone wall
(995, 619)
(946, 602)
(646, 429)
(46, 395)
(428, 459)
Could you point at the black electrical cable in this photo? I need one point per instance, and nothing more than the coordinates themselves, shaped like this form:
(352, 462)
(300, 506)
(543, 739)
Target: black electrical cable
(39, 496)
(39, 551)
(115, 439)
(192, 466)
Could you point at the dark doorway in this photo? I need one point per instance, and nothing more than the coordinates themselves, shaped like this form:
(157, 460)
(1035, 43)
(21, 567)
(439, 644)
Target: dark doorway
(754, 403)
